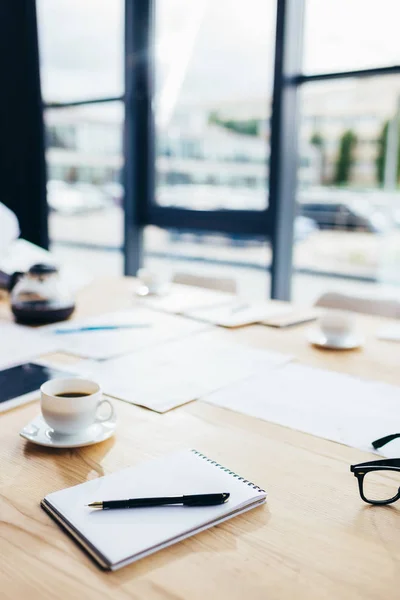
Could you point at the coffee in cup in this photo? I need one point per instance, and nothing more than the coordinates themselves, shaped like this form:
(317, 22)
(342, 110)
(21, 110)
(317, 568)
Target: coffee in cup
(72, 395)
(71, 405)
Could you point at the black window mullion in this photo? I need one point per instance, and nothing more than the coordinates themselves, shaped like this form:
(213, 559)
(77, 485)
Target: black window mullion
(138, 128)
(375, 72)
(224, 221)
(284, 126)
(83, 102)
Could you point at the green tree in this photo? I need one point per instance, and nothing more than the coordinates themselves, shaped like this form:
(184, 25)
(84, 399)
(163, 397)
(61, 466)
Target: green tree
(345, 159)
(381, 155)
(213, 117)
(380, 161)
(72, 175)
(317, 140)
(248, 127)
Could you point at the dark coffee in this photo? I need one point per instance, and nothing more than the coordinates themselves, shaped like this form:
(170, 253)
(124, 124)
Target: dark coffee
(72, 394)
(38, 312)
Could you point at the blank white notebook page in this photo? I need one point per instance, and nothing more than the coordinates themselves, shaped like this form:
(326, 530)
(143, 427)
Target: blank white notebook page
(125, 534)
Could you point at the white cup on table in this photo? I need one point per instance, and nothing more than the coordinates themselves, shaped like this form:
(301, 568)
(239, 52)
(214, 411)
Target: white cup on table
(337, 325)
(72, 405)
(151, 283)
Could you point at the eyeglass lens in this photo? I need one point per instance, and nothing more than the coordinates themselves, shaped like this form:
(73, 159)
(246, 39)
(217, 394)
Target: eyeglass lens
(381, 485)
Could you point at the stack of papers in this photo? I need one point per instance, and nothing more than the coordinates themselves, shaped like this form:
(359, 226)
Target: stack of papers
(183, 298)
(149, 328)
(214, 307)
(331, 405)
(170, 375)
(238, 313)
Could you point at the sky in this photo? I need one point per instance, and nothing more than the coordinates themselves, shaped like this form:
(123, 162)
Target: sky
(207, 50)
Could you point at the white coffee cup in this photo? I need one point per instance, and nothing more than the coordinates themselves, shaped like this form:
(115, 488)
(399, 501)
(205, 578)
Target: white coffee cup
(336, 325)
(152, 283)
(68, 415)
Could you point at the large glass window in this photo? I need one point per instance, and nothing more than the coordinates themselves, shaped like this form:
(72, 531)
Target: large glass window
(213, 90)
(349, 140)
(345, 35)
(243, 259)
(84, 166)
(81, 48)
(81, 52)
(214, 66)
(212, 106)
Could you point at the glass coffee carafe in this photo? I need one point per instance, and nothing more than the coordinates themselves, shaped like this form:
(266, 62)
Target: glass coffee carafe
(40, 297)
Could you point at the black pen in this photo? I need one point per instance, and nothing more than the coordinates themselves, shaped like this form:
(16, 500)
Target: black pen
(194, 500)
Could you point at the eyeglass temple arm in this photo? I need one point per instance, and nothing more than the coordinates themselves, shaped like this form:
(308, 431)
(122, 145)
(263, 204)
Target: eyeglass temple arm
(385, 440)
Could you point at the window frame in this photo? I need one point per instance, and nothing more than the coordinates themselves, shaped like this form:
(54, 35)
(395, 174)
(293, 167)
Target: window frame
(276, 222)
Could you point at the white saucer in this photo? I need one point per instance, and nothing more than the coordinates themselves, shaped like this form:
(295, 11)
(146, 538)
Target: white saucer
(38, 432)
(349, 342)
(144, 290)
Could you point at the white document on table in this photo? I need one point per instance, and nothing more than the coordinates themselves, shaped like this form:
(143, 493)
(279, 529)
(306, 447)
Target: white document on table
(183, 298)
(323, 403)
(390, 333)
(167, 376)
(20, 344)
(237, 313)
(149, 328)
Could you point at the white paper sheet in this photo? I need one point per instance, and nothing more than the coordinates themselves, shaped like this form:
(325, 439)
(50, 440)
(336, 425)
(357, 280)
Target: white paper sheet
(167, 376)
(390, 333)
(323, 403)
(237, 313)
(181, 298)
(153, 328)
(20, 344)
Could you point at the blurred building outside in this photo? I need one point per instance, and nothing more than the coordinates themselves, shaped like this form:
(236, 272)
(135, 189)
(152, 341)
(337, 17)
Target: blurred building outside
(215, 156)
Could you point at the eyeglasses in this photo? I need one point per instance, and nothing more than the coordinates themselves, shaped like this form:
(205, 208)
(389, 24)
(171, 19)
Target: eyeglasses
(385, 440)
(378, 480)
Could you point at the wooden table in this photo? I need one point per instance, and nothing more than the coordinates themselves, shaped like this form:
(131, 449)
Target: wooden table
(313, 539)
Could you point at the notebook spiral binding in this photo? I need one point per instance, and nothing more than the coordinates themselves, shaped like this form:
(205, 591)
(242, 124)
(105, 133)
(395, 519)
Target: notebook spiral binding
(238, 477)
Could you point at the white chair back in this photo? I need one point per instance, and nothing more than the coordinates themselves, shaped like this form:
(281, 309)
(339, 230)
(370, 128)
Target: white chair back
(222, 284)
(383, 307)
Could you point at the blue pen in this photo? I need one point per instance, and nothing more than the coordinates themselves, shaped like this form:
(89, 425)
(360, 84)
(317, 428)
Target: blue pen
(101, 328)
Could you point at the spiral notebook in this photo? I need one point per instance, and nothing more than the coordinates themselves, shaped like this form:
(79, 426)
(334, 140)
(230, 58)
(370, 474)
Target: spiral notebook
(115, 538)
